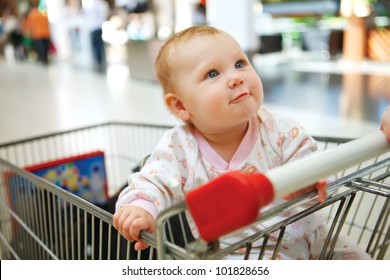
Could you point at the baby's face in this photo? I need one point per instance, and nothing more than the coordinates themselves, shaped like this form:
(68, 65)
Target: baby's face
(216, 83)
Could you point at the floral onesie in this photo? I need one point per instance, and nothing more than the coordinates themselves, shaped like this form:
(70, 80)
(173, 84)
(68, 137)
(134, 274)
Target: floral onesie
(183, 160)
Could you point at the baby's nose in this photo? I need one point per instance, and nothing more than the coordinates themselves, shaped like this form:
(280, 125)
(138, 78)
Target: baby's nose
(235, 81)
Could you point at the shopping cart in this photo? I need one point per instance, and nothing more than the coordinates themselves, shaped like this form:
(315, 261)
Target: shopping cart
(39, 220)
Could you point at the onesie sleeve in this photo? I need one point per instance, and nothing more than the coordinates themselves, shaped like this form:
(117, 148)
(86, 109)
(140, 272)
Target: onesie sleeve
(161, 181)
(288, 138)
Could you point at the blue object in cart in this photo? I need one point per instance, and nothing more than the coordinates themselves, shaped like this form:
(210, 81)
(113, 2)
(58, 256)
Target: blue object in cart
(83, 175)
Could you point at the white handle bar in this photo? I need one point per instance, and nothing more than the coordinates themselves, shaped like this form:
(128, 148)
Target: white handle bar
(307, 171)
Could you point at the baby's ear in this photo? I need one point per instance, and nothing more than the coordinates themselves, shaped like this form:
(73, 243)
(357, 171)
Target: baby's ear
(176, 106)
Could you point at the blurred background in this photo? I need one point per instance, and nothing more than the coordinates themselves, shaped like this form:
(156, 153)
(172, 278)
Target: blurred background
(318, 60)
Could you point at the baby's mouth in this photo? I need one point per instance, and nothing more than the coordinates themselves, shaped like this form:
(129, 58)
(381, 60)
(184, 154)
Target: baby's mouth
(239, 97)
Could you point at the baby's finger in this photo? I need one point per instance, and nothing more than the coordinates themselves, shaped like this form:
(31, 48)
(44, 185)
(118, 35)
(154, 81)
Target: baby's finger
(322, 191)
(299, 193)
(124, 222)
(140, 245)
(115, 219)
(137, 225)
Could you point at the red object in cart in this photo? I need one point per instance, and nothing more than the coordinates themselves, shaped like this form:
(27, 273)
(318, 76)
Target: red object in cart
(236, 199)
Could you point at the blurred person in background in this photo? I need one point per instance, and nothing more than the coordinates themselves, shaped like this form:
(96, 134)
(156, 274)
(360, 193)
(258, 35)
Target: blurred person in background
(97, 12)
(39, 29)
(12, 33)
(28, 44)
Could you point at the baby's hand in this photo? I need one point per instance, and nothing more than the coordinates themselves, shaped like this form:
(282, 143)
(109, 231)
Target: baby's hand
(385, 123)
(130, 220)
(321, 189)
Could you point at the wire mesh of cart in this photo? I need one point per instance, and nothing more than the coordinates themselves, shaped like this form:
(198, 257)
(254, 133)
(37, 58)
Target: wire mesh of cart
(39, 220)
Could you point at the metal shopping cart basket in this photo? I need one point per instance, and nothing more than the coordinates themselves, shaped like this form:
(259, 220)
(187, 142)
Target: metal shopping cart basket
(39, 220)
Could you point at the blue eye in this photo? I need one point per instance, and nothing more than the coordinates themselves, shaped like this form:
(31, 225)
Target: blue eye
(212, 74)
(240, 64)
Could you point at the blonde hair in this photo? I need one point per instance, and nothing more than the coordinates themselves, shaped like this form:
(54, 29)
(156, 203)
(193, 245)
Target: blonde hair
(164, 61)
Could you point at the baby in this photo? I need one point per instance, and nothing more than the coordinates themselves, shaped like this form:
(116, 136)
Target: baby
(209, 83)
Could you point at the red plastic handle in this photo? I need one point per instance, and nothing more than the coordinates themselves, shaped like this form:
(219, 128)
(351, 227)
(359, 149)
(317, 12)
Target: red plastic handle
(228, 202)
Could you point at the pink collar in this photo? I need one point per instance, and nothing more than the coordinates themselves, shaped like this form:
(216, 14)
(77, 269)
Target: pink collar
(241, 154)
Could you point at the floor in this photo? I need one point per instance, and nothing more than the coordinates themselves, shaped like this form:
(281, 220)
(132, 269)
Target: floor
(328, 98)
